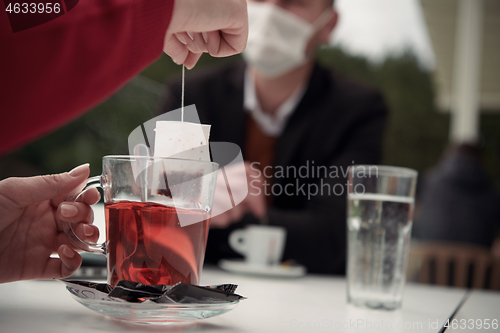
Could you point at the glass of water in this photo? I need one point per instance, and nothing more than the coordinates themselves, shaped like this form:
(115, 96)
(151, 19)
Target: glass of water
(379, 219)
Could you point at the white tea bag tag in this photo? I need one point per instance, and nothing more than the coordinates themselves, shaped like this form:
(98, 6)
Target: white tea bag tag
(182, 139)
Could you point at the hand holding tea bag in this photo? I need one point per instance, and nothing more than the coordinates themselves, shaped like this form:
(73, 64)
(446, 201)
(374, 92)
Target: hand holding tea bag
(218, 27)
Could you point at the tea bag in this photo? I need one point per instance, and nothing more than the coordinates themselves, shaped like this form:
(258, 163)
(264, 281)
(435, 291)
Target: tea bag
(180, 183)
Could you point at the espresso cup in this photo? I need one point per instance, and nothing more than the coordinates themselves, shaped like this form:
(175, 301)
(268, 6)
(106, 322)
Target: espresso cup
(157, 218)
(261, 245)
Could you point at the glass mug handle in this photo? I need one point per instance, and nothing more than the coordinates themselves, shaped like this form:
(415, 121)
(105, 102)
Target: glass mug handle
(68, 227)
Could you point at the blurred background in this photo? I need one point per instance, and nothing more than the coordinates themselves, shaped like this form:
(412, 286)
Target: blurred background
(403, 47)
(437, 65)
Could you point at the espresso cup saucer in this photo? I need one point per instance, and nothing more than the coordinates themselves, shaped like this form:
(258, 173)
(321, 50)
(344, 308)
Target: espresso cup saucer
(240, 266)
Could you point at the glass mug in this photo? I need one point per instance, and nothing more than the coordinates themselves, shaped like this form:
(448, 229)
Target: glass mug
(157, 218)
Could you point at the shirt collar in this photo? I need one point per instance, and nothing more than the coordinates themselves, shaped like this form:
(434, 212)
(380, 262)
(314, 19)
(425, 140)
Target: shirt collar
(271, 125)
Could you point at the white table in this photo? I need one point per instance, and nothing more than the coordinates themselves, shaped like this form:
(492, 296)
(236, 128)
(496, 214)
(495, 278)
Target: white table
(481, 307)
(310, 304)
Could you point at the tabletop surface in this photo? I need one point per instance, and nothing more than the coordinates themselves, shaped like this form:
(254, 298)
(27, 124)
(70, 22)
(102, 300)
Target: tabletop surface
(309, 304)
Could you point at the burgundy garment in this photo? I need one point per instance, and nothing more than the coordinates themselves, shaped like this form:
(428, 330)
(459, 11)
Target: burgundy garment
(52, 73)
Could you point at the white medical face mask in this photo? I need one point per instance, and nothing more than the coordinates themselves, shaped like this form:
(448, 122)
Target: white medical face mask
(277, 39)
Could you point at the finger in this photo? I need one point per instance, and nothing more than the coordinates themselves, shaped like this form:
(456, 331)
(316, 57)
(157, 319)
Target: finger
(192, 59)
(175, 49)
(186, 41)
(70, 261)
(226, 43)
(189, 40)
(234, 40)
(179, 52)
(199, 41)
(64, 266)
(87, 233)
(90, 196)
(75, 212)
(213, 42)
(25, 191)
(71, 196)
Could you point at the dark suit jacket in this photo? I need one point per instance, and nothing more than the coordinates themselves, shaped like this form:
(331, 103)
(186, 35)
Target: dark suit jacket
(337, 123)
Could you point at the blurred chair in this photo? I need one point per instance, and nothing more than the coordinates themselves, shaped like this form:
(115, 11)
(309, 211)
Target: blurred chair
(454, 264)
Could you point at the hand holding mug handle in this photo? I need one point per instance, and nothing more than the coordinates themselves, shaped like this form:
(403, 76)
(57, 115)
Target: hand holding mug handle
(69, 228)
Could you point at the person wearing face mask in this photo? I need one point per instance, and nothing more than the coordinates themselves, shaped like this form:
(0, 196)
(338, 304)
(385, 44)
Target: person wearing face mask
(299, 126)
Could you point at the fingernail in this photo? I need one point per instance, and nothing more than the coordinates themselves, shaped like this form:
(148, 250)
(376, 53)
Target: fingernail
(79, 170)
(68, 252)
(205, 36)
(88, 230)
(68, 210)
(190, 35)
(181, 39)
(197, 48)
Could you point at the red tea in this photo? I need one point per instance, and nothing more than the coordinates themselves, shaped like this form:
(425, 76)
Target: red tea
(147, 244)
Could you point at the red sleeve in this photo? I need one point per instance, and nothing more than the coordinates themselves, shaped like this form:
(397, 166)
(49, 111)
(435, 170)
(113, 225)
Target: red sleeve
(54, 72)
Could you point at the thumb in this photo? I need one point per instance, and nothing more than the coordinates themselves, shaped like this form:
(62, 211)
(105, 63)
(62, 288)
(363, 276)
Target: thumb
(25, 191)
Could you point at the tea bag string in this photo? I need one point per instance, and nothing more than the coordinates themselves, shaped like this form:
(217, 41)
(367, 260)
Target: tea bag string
(182, 95)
